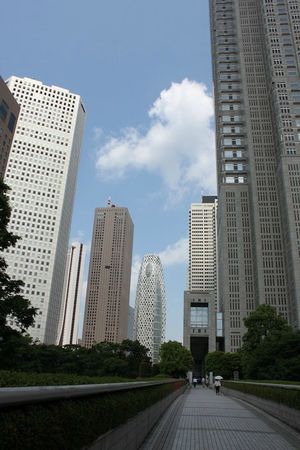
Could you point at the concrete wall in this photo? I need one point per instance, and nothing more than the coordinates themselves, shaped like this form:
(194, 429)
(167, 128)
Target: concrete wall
(132, 434)
(282, 412)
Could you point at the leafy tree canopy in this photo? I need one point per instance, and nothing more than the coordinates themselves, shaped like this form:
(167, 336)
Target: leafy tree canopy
(223, 364)
(260, 323)
(175, 360)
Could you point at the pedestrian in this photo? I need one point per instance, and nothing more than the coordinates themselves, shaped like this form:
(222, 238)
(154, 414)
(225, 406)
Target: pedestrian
(203, 382)
(194, 382)
(217, 386)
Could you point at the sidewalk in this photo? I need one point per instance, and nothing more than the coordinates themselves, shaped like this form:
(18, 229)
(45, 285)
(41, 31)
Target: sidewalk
(202, 420)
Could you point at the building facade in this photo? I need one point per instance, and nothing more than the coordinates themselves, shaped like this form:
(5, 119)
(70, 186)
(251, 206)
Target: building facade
(201, 298)
(68, 333)
(150, 306)
(131, 313)
(203, 247)
(108, 289)
(256, 64)
(9, 113)
(42, 171)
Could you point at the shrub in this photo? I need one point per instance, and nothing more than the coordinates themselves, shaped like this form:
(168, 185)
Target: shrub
(288, 397)
(73, 424)
(17, 379)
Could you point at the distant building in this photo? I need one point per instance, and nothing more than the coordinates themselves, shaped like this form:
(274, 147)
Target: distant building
(9, 112)
(72, 295)
(150, 306)
(130, 333)
(200, 333)
(107, 300)
(42, 171)
(203, 247)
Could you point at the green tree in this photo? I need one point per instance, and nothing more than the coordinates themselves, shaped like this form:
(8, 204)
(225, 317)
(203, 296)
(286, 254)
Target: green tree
(223, 364)
(260, 323)
(265, 330)
(136, 354)
(277, 357)
(175, 360)
(12, 303)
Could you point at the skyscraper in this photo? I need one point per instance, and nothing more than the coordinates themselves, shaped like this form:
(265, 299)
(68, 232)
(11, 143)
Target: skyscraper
(200, 334)
(71, 296)
(107, 300)
(203, 246)
(256, 64)
(150, 306)
(41, 172)
(130, 333)
(9, 112)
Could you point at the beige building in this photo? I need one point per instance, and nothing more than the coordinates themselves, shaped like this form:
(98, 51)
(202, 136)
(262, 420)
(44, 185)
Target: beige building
(202, 327)
(9, 112)
(107, 300)
(203, 246)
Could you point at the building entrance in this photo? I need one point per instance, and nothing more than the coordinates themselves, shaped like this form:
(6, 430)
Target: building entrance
(199, 349)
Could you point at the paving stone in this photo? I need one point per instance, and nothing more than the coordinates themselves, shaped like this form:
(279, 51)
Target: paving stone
(202, 420)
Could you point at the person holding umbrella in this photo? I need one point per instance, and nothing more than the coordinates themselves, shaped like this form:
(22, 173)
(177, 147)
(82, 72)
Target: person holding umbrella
(218, 379)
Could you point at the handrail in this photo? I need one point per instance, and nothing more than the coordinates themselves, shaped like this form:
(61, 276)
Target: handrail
(285, 386)
(35, 394)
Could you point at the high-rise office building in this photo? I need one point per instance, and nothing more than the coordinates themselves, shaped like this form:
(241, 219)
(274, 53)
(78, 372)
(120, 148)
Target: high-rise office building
(150, 306)
(107, 299)
(200, 334)
(41, 172)
(130, 333)
(9, 112)
(203, 246)
(256, 65)
(68, 333)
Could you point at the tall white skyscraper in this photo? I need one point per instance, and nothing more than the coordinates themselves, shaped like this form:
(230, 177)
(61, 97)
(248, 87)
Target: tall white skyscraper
(150, 306)
(72, 294)
(203, 246)
(41, 172)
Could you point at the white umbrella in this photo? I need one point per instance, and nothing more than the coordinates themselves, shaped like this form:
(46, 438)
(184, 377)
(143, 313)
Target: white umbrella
(218, 377)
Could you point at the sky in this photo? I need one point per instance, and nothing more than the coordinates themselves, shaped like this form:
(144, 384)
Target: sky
(143, 70)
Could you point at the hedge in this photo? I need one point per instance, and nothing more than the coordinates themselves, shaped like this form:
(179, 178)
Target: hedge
(288, 397)
(74, 424)
(16, 379)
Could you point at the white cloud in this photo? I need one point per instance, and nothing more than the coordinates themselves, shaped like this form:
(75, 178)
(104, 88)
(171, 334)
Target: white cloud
(175, 254)
(179, 144)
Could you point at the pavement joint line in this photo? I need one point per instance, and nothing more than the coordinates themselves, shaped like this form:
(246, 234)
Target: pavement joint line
(227, 429)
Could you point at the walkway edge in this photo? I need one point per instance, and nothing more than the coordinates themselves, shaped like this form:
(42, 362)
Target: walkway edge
(132, 434)
(284, 413)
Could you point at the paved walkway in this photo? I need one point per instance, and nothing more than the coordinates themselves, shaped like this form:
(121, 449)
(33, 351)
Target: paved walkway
(202, 420)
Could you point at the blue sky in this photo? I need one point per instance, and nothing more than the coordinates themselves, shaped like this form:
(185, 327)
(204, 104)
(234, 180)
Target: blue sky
(143, 71)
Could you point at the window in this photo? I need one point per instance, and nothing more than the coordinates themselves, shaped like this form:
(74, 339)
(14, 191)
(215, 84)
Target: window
(11, 122)
(199, 315)
(3, 110)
